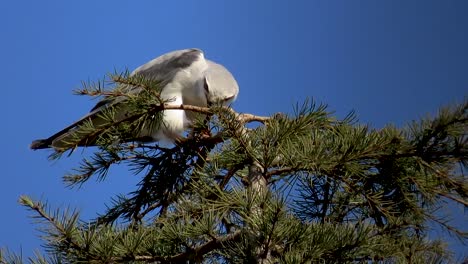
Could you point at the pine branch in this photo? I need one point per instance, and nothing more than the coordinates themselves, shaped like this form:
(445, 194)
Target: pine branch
(64, 227)
(194, 253)
(357, 194)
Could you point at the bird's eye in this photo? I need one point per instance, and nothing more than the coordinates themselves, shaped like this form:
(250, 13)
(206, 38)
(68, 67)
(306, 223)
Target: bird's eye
(205, 85)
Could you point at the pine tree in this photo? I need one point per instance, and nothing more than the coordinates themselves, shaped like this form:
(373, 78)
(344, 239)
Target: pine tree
(240, 188)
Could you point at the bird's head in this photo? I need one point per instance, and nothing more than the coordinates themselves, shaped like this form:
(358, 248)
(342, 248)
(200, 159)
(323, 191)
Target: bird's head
(219, 85)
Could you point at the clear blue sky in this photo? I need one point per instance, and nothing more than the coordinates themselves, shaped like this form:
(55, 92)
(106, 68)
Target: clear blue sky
(391, 61)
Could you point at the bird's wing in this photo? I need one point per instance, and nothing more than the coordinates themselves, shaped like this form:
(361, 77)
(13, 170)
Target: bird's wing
(162, 69)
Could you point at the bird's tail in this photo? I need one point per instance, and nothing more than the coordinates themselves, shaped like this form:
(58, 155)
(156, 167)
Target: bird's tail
(40, 144)
(77, 134)
(66, 138)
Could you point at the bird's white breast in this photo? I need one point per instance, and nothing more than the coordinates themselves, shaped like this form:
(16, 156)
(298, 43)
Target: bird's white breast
(185, 88)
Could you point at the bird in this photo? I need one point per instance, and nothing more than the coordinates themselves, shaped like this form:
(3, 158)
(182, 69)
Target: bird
(185, 77)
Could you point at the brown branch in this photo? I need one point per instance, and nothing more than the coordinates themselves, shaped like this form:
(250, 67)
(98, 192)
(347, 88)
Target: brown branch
(193, 108)
(248, 118)
(446, 195)
(229, 175)
(242, 118)
(149, 209)
(266, 250)
(279, 171)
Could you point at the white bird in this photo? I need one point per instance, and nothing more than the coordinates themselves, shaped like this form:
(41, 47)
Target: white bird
(185, 76)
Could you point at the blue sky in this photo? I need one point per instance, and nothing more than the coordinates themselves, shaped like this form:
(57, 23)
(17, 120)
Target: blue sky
(390, 61)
